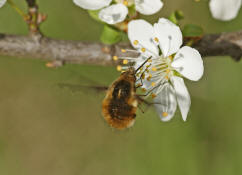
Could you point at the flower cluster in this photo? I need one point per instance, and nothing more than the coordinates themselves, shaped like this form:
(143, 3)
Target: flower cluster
(161, 76)
(116, 12)
(2, 2)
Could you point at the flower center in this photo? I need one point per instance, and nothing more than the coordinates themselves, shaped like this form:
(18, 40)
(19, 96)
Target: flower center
(126, 2)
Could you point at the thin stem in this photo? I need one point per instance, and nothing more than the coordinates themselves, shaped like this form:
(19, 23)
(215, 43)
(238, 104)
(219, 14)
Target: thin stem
(19, 11)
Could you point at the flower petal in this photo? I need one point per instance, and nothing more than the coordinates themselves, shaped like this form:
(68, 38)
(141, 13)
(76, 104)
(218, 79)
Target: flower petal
(143, 32)
(113, 14)
(189, 63)
(169, 35)
(224, 9)
(166, 103)
(92, 4)
(2, 2)
(148, 7)
(182, 94)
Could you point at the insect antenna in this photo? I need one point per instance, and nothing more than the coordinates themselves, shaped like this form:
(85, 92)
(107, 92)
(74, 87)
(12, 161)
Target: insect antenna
(142, 64)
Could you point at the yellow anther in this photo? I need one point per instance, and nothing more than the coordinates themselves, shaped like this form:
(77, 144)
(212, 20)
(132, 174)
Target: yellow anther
(164, 114)
(153, 95)
(147, 70)
(168, 71)
(148, 78)
(167, 77)
(154, 69)
(139, 84)
(156, 39)
(136, 42)
(143, 76)
(115, 58)
(153, 84)
(125, 61)
(141, 69)
(125, 2)
(119, 68)
(123, 50)
(122, 71)
(143, 89)
(143, 49)
(150, 60)
(170, 57)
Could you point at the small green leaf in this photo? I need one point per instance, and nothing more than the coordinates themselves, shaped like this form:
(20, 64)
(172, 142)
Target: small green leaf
(192, 30)
(110, 35)
(176, 16)
(94, 15)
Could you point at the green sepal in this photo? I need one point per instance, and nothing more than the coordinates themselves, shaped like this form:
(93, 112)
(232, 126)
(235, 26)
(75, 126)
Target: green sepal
(176, 16)
(192, 30)
(177, 74)
(94, 15)
(110, 35)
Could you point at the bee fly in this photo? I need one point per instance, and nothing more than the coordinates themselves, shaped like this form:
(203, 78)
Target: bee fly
(120, 103)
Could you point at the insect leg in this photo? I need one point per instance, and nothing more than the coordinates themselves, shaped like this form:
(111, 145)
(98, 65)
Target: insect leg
(140, 78)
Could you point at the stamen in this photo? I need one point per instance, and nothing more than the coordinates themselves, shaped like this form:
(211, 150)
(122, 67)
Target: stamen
(164, 114)
(143, 89)
(167, 77)
(119, 68)
(139, 84)
(168, 71)
(136, 42)
(149, 77)
(123, 50)
(125, 61)
(153, 95)
(115, 58)
(156, 39)
(153, 84)
(143, 76)
(143, 49)
(125, 2)
(154, 69)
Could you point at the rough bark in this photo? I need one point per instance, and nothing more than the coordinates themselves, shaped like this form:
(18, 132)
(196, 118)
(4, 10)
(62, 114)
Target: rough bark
(229, 44)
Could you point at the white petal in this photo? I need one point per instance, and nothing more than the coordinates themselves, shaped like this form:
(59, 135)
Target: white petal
(148, 7)
(166, 103)
(224, 9)
(92, 4)
(169, 35)
(189, 63)
(143, 32)
(2, 2)
(113, 14)
(182, 94)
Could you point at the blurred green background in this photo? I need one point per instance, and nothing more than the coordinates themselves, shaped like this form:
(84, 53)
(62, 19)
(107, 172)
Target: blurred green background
(48, 130)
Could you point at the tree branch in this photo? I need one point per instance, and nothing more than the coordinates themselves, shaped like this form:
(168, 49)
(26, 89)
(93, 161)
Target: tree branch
(229, 44)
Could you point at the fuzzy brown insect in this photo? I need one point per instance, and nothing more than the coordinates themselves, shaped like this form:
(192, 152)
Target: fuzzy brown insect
(120, 103)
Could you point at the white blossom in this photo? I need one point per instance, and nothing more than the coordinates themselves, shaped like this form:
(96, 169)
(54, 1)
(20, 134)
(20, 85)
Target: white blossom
(224, 10)
(166, 62)
(2, 2)
(117, 12)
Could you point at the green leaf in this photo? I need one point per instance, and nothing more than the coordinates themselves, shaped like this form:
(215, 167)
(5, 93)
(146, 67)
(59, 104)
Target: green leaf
(192, 30)
(110, 35)
(94, 15)
(176, 16)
